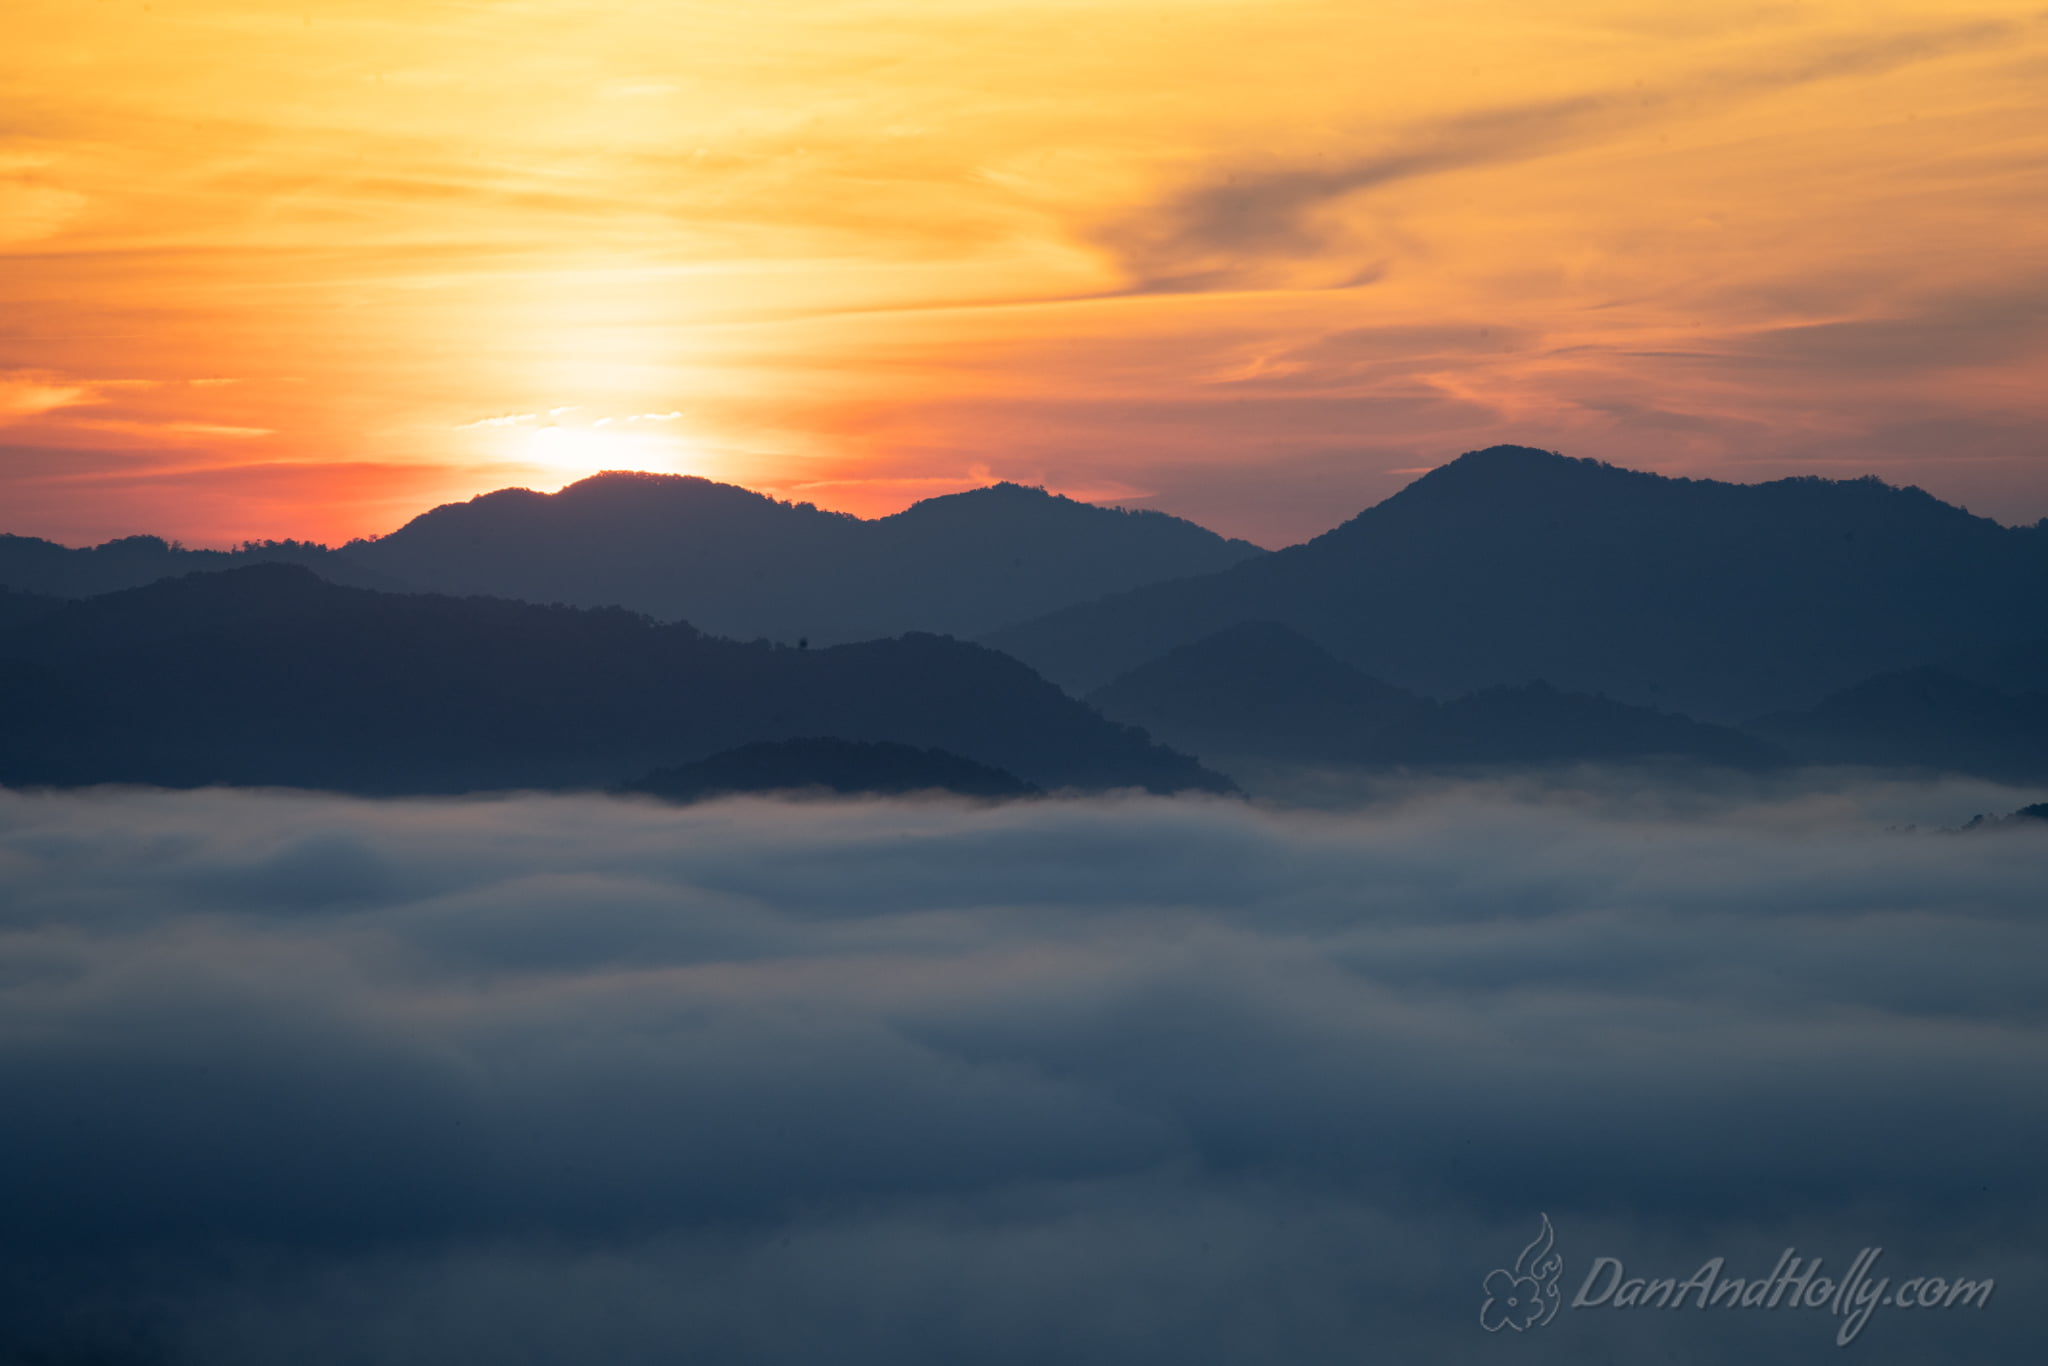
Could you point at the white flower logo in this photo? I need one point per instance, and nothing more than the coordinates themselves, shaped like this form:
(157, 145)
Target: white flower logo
(1526, 1296)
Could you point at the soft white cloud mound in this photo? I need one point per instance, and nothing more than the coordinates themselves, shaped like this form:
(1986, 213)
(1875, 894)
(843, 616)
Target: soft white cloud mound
(292, 1077)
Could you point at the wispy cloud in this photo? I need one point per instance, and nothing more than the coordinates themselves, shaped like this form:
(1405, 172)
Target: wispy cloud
(1253, 224)
(31, 393)
(639, 417)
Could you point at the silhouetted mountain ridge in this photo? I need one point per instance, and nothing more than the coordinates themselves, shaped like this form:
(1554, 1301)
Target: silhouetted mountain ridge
(31, 564)
(269, 675)
(1256, 689)
(732, 561)
(1261, 692)
(742, 564)
(1715, 599)
(1927, 717)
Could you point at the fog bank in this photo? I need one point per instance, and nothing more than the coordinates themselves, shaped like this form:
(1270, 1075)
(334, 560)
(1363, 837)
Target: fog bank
(1120, 1080)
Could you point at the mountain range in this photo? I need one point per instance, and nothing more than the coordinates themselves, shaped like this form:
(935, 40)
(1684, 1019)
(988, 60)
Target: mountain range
(1721, 601)
(32, 565)
(1984, 713)
(1259, 691)
(729, 561)
(1511, 606)
(737, 563)
(268, 675)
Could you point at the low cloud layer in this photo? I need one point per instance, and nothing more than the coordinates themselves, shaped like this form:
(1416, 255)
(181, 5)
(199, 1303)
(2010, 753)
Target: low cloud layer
(576, 1079)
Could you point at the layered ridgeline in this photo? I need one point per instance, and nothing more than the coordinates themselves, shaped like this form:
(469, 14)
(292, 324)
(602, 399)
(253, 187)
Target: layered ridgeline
(1262, 693)
(1983, 712)
(268, 675)
(29, 564)
(1721, 601)
(730, 561)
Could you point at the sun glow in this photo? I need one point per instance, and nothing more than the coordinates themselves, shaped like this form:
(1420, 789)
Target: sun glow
(573, 453)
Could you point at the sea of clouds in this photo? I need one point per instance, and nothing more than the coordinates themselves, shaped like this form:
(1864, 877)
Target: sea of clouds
(292, 1077)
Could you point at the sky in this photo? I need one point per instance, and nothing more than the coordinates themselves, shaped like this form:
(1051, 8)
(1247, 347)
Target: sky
(274, 270)
(1118, 1080)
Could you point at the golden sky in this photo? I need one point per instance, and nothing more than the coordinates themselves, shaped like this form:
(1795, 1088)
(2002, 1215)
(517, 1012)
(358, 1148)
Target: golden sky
(272, 269)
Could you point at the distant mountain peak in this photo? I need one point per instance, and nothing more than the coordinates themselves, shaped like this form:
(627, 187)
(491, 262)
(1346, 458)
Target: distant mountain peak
(1717, 599)
(1518, 467)
(619, 478)
(1010, 488)
(1522, 484)
(1511, 456)
(747, 565)
(1005, 496)
(1515, 469)
(606, 483)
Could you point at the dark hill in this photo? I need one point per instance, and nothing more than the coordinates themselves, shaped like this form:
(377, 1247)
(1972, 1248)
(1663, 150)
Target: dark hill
(841, 766)
(1257, 690)
(268, 675)
(1720, 600)
(741, 564)
(1922, 718)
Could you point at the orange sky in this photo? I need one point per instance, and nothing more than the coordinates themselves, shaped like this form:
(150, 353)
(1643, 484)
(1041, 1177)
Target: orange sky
(304, 270)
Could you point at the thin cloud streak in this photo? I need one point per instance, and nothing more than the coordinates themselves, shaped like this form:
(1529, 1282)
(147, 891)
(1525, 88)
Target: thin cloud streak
(1222, 234)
